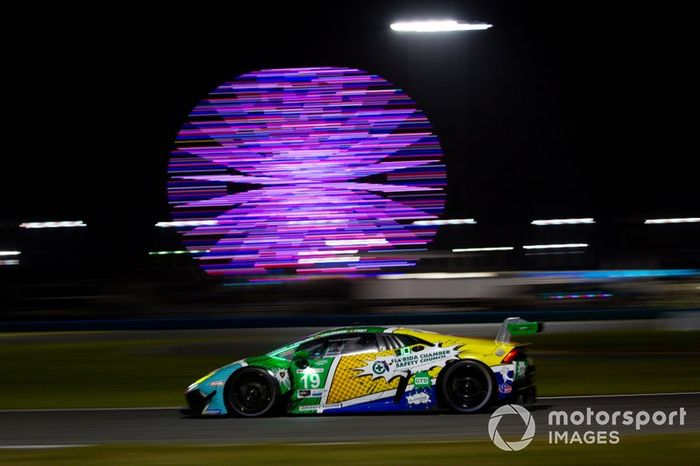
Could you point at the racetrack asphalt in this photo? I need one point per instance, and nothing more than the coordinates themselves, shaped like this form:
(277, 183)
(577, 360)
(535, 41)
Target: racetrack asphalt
(45, 428)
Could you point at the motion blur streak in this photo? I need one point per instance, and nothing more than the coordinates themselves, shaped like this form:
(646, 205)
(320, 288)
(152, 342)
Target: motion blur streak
(438, 26)
(186, 223)
(671, 220)
(179, 251)
(563, 221)
(60, 224)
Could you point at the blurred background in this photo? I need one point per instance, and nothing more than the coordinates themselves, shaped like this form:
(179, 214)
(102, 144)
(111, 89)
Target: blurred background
(556, 112)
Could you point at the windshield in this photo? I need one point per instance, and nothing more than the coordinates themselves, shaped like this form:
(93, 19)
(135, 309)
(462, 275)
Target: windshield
(288, 350)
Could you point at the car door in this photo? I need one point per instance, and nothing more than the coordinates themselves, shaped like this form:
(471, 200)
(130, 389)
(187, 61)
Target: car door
(309, 377)
(354, 382)
(330, 380)
(409, 384)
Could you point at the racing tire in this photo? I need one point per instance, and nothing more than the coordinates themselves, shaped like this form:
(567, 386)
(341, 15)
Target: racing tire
(251, 392)
(466, 386)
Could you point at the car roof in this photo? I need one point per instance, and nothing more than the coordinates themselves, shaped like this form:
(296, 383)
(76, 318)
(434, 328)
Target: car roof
(368, 329)
(349, 330)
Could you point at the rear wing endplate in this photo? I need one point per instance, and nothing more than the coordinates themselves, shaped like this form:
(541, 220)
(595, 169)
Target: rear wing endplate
(515, 326)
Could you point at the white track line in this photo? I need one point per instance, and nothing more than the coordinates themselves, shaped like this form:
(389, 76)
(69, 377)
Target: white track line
(64, 410)
(36, 447)
(621, 395)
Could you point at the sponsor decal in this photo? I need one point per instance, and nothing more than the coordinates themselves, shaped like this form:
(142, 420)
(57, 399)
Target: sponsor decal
(422, 380)
(310, 393)
(420, 398)
(388, 367)
(317, 407)
(505, 388)
(380, 367)
(216, 383)
(310, 370)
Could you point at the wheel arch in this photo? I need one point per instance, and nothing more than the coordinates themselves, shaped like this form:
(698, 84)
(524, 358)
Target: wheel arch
(441, 380)
(270, 377)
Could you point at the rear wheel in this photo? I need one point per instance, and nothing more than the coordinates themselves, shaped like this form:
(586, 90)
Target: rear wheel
(251, 392)
(467, 386)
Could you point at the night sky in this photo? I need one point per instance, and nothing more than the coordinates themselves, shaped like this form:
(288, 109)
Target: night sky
(557, 111)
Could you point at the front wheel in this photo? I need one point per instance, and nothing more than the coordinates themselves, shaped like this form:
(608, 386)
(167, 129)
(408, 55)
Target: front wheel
(251, 392)
(467, 386)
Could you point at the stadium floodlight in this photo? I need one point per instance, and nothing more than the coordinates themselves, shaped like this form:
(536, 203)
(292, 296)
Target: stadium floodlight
(454, 221)
(186, 223)
(10, 253)
(563, 221)
(60, 224)
(495, 248)
(656, 221)
(446, 25)
(178, 251)
(556, 246)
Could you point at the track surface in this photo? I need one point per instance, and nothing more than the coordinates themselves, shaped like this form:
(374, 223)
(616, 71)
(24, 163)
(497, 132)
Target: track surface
(27, 428)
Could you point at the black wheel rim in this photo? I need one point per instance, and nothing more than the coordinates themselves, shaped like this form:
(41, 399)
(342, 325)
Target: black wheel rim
(467, 387)
(252, 393)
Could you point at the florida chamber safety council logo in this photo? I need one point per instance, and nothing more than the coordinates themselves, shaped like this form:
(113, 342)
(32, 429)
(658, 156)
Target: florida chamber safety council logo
(509, 410)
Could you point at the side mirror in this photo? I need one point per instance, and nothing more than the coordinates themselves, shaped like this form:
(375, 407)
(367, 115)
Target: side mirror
(301, 359)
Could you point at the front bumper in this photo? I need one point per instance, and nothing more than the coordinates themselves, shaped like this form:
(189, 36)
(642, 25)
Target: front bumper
(196, 402)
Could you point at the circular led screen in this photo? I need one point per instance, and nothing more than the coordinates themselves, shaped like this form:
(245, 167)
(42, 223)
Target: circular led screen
(290, 173)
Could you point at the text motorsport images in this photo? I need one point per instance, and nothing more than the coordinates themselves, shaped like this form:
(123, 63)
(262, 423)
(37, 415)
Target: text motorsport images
(579, 427)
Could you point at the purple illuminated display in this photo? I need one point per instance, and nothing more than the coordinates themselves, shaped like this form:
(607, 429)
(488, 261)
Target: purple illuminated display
(306, 171)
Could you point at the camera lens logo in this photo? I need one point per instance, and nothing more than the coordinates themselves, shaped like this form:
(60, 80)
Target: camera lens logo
(529, 427)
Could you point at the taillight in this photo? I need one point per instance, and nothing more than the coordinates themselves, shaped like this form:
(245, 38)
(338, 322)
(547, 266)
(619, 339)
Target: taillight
(512, 354)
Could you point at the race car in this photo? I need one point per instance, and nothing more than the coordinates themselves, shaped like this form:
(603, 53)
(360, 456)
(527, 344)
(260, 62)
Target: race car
(373, 369)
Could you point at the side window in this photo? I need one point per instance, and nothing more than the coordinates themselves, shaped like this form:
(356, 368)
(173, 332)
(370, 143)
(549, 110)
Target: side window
(364, 343)
(340, 345)
(354, 344)
(315, 348)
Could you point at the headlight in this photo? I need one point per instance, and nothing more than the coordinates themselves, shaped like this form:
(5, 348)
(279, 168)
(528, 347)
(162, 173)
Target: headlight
(196, 384)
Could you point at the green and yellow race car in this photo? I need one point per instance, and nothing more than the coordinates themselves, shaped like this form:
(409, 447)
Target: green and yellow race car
(373, 369)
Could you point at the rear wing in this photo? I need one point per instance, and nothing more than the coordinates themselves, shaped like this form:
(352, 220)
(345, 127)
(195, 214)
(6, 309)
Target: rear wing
(517, 326)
